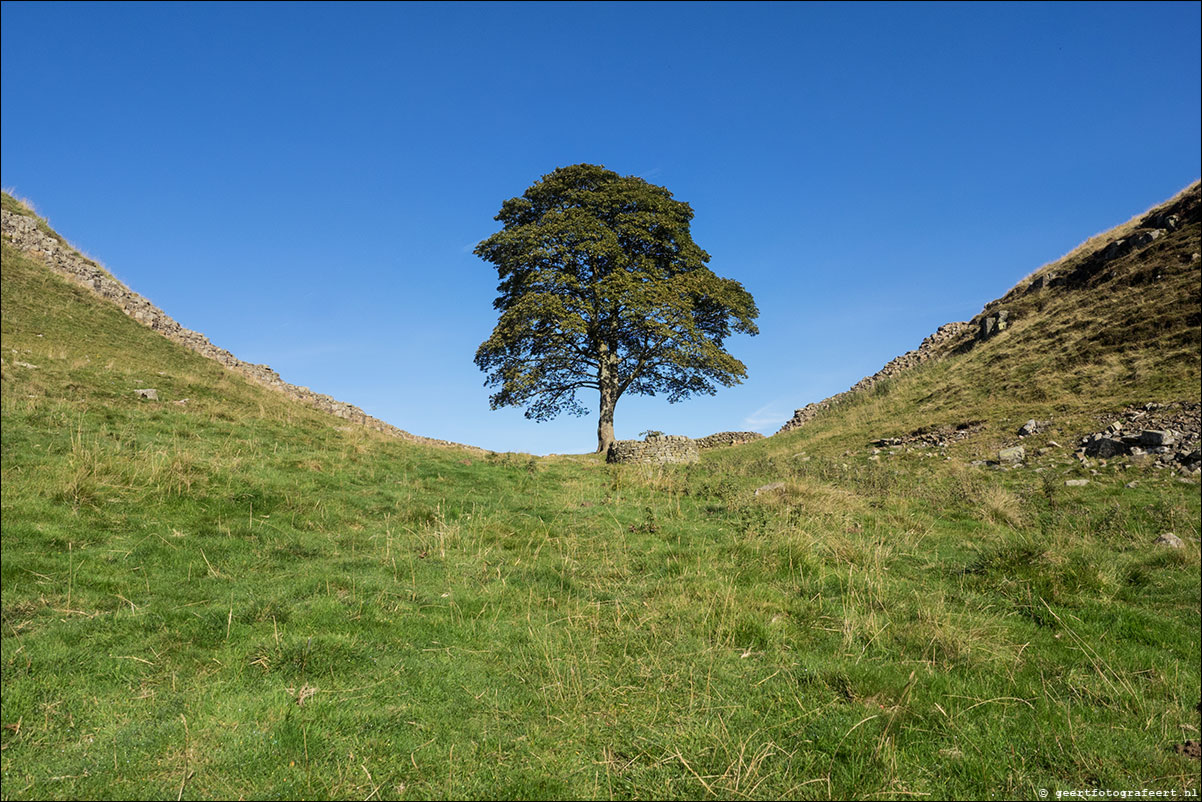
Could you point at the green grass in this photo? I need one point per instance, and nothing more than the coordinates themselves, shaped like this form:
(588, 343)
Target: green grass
(235, 597)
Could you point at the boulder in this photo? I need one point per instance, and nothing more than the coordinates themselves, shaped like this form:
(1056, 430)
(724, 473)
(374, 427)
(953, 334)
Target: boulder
(1104, 447)
(1012, 455)
(1155, 437)
(149, 393)
(1169, 540)
(991, 325)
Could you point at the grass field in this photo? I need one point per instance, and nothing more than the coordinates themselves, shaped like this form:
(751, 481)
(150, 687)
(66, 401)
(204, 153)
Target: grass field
(236, 596)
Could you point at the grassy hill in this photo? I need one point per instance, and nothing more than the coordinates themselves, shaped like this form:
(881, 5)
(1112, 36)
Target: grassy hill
(225, 593)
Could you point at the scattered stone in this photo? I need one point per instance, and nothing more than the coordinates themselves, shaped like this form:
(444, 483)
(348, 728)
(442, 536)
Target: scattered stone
(1012, 455)
(1169, 540)
(181, 402)
(1031, 427)
(150, 394)
(1053, 444)
(771, 488)
(21, 364)
(1132, 484)
(1076, 483)
(1167, 435)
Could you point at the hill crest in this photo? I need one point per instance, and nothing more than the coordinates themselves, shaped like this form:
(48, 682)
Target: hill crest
(1133, 253)
(31, 234)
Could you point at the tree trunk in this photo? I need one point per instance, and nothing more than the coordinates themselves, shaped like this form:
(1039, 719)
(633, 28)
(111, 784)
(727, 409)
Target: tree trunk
(605, 426)
(607, 378)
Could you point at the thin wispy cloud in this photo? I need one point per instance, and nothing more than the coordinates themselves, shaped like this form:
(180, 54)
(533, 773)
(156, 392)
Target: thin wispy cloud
(769, 416)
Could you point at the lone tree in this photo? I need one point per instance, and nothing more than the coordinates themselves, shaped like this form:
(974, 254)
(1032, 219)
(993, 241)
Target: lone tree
(603, 288)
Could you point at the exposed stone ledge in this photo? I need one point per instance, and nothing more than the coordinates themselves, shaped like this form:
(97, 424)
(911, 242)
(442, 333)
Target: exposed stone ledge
(24, 232)
(1092, 266)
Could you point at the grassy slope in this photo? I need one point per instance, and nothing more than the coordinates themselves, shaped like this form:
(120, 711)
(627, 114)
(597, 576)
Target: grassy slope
(176, 577)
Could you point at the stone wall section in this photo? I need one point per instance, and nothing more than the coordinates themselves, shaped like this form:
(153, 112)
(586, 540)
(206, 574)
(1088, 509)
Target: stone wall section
(935, 346)
(661, 449)
(723, 439)
(24, 233)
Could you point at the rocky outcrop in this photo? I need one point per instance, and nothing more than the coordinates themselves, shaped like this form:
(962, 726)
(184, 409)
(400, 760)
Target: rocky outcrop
(937, 436)
(1165, 434)
(1096, 265)
(721, 439)
(1096, 262)
(655, 449)
(992, 324)
(25, 233)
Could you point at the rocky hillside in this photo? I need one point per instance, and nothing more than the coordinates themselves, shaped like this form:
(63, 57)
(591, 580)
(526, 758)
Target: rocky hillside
(1134, 287)
(30, 234)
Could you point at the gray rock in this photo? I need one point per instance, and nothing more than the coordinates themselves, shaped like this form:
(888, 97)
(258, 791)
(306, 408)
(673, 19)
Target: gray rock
(1169, 540)
(1076, 483)
(149, 393)
(1104, 447)
(991, 325)
(771, 488)
(1012, 455)
(1146, 237)
(1156, 437)
(1029, 428)
(1114, 249)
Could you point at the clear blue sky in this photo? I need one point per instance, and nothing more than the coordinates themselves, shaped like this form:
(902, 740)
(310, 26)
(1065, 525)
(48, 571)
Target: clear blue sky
(305, 183)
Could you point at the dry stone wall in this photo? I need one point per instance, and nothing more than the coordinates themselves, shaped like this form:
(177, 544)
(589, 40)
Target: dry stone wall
(25, 233)
(662, 449)
(945, 338)
(722, 439)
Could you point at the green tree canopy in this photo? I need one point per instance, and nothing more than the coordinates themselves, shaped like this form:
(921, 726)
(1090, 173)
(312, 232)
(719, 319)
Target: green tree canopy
(602, 288)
